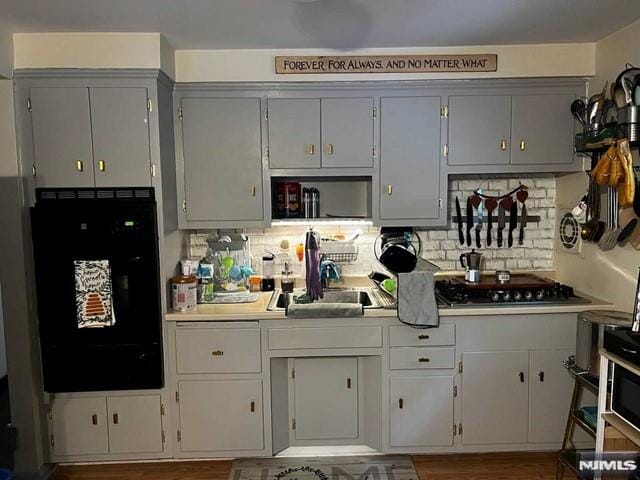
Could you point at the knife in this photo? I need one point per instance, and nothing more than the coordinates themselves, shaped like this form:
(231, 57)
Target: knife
(479, 226)
(469, 220)
(459, 214)
(501, 223)
(523, 223)
(513, 222)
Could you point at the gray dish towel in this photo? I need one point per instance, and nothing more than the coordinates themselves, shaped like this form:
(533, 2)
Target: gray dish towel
(417, 304)
(324, 310)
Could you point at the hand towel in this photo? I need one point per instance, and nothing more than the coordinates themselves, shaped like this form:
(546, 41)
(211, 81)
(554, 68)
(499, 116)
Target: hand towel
(417, 304)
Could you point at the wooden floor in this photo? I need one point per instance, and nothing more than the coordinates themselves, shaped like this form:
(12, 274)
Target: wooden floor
(502, 466)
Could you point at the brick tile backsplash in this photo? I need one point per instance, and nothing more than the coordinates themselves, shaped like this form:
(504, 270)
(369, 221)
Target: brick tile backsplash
(440, 246)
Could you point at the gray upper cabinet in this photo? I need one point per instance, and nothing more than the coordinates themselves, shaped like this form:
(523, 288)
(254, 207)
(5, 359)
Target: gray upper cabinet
(347, 132)
(119, 119)
(222, 159)
(294, 132)
(542, 129)
(62, 146)
(85, 137)
(479, 129)
(410, 179)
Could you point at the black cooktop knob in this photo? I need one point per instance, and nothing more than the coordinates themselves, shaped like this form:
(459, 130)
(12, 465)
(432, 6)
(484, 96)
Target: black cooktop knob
(517, 295)
(528, 295)
(495, 296)
(540, 295)
(507, 297)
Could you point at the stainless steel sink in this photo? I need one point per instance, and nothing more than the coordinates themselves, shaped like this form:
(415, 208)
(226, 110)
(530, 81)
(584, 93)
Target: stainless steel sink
(368, 297)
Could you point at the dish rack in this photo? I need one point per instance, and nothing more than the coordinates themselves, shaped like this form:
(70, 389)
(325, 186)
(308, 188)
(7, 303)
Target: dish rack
(339, 251)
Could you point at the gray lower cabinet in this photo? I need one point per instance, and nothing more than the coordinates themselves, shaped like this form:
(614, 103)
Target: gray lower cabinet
(495, 397)
(421, 411)
(410, 176)
(85, 137)
(479, 129)
(221, 150)
(120, 126)
(128, 424)
(515, 397)
(294, 132)
(326, 398)
(61, 125)
(347, 132)
(541, 129)
(220, 415)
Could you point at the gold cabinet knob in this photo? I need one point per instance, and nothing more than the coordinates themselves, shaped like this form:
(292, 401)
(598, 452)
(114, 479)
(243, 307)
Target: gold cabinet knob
(80, 165)
(503, 144)
(523, 145)
(389, 189)
(312, 149)
(102, 165)
(330, 149)
(253, 190)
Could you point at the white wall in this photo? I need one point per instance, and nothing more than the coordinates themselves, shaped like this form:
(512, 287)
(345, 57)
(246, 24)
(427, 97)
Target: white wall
(93, 50)
(6, 51)
(610, 275)
(558, 60)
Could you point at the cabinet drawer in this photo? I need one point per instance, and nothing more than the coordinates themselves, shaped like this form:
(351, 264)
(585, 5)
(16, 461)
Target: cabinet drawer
(325, 337)
(218, 350)
(401, 336)
(421, 358)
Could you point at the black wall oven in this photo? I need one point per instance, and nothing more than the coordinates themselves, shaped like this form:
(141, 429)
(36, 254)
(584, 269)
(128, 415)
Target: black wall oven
(98, 289)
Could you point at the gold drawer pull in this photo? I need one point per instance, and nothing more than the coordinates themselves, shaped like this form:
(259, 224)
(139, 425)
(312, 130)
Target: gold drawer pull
(523, 145)
(389, 189)
(102, 165)
(217, 353)
(80, 165)
(503, 144)
(423, 337)
(424, 360)
(94, 419)
(330, 149)
(253, 191)
(115, 418)
(253, 406)
(312, 149)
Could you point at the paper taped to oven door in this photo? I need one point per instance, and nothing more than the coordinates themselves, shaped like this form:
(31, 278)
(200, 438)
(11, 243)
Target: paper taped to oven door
(94, 294)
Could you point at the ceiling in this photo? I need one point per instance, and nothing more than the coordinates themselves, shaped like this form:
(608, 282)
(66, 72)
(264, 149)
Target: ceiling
(341, 24)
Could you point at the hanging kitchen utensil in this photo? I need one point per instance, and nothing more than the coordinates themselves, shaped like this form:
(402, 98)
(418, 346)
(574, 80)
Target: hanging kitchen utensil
(600, 226)
(513, 222)
(501, 223)
(469, 220)
(587, 230)
(636, 197)
(490, 204)
(522, 196)
(459, 214)
(628, 223)
(634, 238)
(578, 110)
(476, 201)
(608, 228)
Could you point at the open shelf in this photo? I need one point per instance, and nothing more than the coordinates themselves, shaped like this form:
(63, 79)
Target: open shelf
(578, 418)
(623, 427)
(342, 200)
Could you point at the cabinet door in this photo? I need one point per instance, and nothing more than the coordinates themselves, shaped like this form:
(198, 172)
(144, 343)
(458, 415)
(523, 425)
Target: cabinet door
(495, 397)
(410, 158)
(79, 426)
(222, 160)
(347, 132)
(542, 129)
(62, 137)
(294, 132)
(135, 424)
(479, 130)
(326, 398)
(120, 127)
(550, 388)
(421, 411)
(221, 415)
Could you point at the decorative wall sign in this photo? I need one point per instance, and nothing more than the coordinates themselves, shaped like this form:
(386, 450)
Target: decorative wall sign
(387, 64)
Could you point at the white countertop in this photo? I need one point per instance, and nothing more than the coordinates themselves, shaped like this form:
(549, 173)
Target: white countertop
(258, 310)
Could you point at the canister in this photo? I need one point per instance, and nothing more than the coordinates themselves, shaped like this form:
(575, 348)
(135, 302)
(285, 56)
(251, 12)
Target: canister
(184, 290)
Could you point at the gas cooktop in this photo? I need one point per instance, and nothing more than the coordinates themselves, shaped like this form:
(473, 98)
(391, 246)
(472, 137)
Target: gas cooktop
(522, 290)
